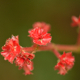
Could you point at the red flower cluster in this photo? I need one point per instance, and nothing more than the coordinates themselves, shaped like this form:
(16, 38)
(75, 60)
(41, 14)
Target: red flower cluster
(12, 51)
(65, 63)
(22, 57)
(42, 25)
(24, 61)
(40, 36)
(76, 21)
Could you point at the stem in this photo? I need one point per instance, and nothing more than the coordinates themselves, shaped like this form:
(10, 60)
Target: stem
(56, 53)
(73, 48)
(30, 49)
(51, 47)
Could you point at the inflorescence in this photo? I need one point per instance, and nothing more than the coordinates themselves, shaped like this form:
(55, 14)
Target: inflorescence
(41, 38)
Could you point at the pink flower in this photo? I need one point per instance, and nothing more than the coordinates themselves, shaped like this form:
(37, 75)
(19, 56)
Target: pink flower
(76, 21)
(13, 52)
(65, 63)
(24, 58)
(42, 25)
(24, 62)
(11, 49)
(39, 36)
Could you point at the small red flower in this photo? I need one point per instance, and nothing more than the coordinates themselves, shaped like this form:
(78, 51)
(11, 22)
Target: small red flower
(42, 25)
(11, 49)
(65, 63)
(24, 62)
(76, 21)
(39, 36)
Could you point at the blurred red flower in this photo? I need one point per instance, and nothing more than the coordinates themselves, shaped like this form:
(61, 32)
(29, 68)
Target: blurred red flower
(42, 25)
(75, 21)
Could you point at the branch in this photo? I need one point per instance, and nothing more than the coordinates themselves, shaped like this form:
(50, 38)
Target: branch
(51, 47)
(73, 48)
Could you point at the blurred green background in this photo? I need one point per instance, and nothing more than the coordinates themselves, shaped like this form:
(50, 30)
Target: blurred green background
(17, 17)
